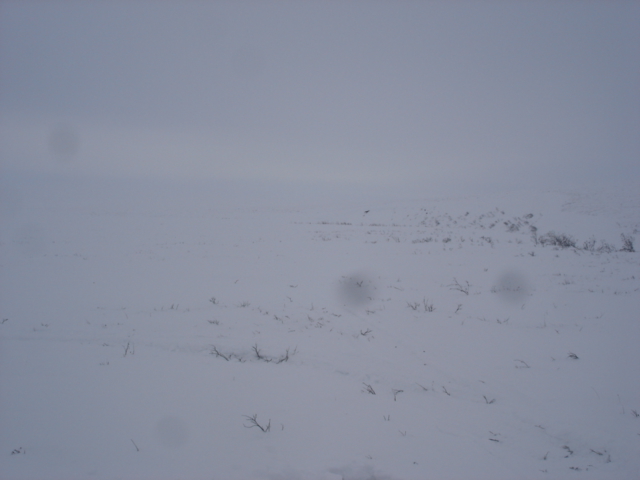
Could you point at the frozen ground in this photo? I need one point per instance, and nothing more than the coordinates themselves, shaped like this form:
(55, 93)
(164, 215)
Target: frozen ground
(154, 331)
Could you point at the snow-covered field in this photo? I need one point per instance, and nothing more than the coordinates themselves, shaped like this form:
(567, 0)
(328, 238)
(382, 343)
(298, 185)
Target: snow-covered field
(226, 332)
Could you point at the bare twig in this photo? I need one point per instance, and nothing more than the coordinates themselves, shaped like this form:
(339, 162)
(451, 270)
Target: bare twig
(253, 422)
(428, 307)
(134, 444)
(369, 389)
(284, 358)
(217, 353)
(395, 393)
(459, 287)
(413, 306)
(257, 352)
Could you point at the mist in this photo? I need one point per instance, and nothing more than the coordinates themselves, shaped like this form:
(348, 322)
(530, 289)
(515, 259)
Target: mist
(434, 95)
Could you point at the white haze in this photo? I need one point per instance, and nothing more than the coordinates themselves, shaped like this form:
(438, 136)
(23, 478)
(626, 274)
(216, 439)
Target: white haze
(445, 95)
(143, 325)
(220, 213)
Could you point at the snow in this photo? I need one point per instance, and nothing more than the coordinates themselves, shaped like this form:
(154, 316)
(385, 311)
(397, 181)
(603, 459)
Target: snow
(149, 328)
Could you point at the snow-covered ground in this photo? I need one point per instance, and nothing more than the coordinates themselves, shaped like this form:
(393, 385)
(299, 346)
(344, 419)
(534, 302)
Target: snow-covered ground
(232, 332)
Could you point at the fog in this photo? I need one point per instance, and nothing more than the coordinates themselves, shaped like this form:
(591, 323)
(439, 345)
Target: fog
(440, 95)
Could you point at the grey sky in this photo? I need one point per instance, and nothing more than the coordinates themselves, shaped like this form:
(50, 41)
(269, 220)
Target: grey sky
(495, 92)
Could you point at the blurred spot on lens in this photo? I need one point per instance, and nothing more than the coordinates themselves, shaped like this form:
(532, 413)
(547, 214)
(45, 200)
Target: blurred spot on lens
(356, 289)
(63, 143)
(31, 239)
(172, 432)
(511, 287)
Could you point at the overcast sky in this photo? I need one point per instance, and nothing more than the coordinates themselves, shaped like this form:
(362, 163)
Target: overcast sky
(519, 93)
